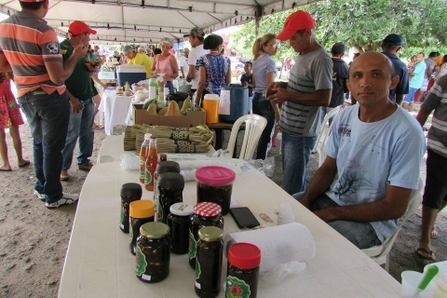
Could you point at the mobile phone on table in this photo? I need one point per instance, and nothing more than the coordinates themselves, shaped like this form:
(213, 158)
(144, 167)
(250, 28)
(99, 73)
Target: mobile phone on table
(244, 217)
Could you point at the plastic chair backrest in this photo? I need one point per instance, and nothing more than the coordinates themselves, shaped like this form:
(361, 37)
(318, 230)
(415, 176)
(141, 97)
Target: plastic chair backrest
(254, 126)
(324, 133)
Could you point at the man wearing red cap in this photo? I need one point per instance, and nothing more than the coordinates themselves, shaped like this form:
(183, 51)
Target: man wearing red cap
(309, 87)
(30, 48)
(80, 91)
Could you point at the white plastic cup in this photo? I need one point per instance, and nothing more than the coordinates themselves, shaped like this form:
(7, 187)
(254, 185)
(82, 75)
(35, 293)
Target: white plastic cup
(410, 282)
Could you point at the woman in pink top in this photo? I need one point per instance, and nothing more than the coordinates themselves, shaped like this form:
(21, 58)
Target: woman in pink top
(166, 64)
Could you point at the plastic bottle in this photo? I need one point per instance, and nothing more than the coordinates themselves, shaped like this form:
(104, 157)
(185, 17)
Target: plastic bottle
(151, 164)
(144, 150)
(160, 100)
(153, 88)
(285, 214)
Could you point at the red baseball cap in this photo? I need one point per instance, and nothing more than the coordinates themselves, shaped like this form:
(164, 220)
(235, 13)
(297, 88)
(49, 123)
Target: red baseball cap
(299, 20)
(79, 27)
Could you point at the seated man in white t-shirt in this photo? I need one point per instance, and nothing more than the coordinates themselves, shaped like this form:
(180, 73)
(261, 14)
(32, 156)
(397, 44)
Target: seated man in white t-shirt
(374, 155)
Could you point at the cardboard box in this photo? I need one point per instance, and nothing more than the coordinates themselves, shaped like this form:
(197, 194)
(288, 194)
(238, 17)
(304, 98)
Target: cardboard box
(193, 118)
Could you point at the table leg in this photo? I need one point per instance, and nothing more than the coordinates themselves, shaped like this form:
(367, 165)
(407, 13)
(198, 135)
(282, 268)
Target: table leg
(219, 138)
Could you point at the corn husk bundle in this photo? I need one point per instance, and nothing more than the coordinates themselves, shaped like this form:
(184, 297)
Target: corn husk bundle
(129, 141)
(176, 139)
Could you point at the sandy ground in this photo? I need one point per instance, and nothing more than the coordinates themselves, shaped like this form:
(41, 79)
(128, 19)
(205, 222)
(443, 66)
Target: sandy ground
(34, 239)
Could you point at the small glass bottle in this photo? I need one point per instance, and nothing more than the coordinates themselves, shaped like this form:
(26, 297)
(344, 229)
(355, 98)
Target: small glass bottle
(151, 164)
(204, 214)
(129, 192)
(209, 262)
(152, 252)
(141, 212)
(170, 190)
(164, 166)
(243, 270)
(179, 222)
(144, 152)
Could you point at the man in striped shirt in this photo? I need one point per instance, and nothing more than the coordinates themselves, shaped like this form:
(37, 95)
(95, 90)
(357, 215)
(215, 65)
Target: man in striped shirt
(30, 48)
(435, 193)
(309, 87)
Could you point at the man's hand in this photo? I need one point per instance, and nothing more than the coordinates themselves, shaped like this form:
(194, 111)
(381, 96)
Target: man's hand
(326, 214)
(79, 51)
(277, 95)
(76, 105)
(90, 67)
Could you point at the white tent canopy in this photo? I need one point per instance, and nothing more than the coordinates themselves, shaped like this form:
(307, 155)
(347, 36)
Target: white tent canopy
(147, 21)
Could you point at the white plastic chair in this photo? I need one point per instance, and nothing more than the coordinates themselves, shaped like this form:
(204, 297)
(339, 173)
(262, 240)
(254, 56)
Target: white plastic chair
(380, 253)
(324, 133)
(254, 126)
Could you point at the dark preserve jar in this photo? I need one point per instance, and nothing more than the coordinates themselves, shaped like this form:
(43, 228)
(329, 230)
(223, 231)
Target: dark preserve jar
(152, 252)
(243, 270)
(215, 184)
(179, 222)
(170, 189)
(209, 262)
(129, 192)
(164, 166)
(141, 212)
(205, 214)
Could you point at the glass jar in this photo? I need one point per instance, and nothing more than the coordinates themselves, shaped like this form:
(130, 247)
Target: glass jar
(170, 191)
(243, 270)
(179, 222)
(215, 184)
(204, 214)
(141, 212)
(152, 252)
(209, 262)
(164, 166)
(129, 192)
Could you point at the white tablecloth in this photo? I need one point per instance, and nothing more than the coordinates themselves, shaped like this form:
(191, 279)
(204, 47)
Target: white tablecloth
(98, 262)
(116, 109)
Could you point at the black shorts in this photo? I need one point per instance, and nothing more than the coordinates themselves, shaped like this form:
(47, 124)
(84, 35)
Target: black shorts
(95, 92)
(436, 183)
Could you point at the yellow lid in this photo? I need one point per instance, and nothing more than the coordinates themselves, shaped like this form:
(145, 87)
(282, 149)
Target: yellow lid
(141, 209)
(154, 230)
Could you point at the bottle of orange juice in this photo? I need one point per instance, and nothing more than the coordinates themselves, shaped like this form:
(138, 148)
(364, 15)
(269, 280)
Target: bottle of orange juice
(144, 151)
(151, 164)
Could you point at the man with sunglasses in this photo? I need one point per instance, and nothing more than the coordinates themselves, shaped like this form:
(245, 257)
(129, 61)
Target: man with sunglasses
(309, 87)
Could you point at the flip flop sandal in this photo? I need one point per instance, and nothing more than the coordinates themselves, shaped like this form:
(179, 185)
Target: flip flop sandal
(26, 163)
(431, 255)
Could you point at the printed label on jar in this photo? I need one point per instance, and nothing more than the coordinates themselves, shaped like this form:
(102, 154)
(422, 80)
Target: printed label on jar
(236, 288)
(147, 177)
(146, 277)
(192, 246)
(141, 264)
(122, 215)
(197, 270)
(130, 230)
(142, 169)
(198, 286)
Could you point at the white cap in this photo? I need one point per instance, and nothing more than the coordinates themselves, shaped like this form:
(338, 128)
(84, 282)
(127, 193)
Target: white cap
(147, 136)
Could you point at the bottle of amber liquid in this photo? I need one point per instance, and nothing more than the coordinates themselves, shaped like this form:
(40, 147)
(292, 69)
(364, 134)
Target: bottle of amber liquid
(151, 164)
(144, 152)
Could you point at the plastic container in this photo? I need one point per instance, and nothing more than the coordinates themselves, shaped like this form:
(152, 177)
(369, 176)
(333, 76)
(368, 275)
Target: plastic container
(211, 107)
(238, 103)
(129, 192)
(215, 184)
(130, 73)
(151, 164)
(285, 214)
(410, 281)
(141, 212)
(153, 88)
(144, 151)
(243, 270)
(152, 252)
(179, 221)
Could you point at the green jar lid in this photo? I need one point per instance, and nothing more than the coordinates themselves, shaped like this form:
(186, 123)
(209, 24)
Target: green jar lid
(210, 233)
(154, 230)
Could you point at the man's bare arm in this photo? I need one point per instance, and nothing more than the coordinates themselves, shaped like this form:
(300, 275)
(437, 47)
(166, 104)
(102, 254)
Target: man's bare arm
(422, 116)
(4, 64)
(59, 72)
(318, 98)
(191, 73)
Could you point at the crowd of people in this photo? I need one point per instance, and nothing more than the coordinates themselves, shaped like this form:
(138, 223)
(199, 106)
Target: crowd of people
(374, 150)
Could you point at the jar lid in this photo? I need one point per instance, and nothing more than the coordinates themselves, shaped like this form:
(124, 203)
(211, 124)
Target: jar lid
(131, 189)
(215, 175)
(141, 209)
(168, 166)
(244, 255)
(181, 209)
(171, 180)
(207, 209)
(154, 230)
(210, 233)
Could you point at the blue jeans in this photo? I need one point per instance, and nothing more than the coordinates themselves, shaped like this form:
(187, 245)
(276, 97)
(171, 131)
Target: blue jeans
(169, 85)
(48, 117)
(80, 127)
(295, 156)
(250, 104)
(361, 234)
(409, 98)
(263, 107)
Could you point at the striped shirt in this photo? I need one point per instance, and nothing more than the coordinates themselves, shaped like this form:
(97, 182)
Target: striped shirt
(261, 67)
(437, 100)
(27, 43)
(311, 72)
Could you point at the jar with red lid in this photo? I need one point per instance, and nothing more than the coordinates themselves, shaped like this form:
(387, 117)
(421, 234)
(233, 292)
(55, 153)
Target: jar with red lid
(243, 270)
(204, 214)
(215, 184)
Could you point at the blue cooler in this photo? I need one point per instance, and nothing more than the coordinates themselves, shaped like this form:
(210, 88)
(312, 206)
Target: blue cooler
(238, 103)
(130, 73)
